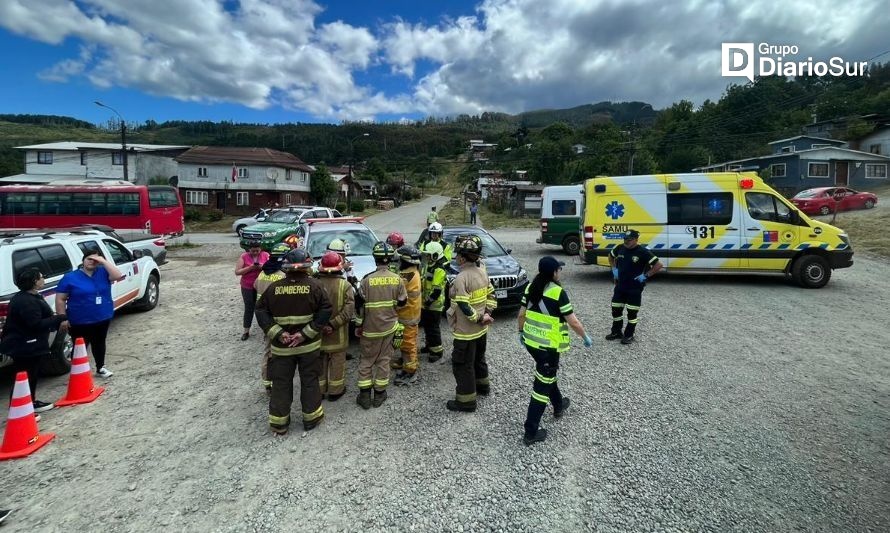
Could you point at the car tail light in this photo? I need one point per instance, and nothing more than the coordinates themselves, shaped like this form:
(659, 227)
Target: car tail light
(543, 226)
(588, 236)
(160, 242)
(4, 311)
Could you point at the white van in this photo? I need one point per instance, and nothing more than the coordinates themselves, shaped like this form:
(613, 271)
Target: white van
(561, 217)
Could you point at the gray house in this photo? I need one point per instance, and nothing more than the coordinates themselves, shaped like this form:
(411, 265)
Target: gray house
(805, 162)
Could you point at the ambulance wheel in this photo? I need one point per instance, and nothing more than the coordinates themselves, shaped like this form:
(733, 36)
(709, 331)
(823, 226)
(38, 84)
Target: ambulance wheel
(571, 245)
(824, 210)
(811, 272)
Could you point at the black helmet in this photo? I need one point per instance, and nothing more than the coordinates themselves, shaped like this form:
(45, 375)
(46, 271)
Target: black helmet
(382, 252)
(631, 234)
(296, 259)
(409, 254)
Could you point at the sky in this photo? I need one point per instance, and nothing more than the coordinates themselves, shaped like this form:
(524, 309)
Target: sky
(278, 61)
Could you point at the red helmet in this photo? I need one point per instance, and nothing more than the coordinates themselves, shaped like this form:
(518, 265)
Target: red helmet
(331, 262)
(395, 239)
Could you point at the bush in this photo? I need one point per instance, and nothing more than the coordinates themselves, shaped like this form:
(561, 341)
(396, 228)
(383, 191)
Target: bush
(358, 205)
(214, 214)
(193, 213)
(341, 207)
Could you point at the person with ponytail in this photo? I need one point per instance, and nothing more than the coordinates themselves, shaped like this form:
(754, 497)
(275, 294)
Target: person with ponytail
(544, 321)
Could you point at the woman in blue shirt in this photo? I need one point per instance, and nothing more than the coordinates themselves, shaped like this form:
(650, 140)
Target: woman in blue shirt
(86, 294)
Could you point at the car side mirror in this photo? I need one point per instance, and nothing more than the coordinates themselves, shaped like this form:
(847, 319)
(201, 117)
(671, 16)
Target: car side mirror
(509, 251)
(794, 217)
(137, 254)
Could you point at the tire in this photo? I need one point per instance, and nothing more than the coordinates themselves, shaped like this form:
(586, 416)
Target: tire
(824, 210)
(811, 272)
(869, 203)
(239, 228)
(571, 245)
(152, 294)
(59, 360)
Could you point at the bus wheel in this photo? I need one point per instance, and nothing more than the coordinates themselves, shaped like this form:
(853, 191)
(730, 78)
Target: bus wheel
(811, 272)
(59, 360)
(571, 245)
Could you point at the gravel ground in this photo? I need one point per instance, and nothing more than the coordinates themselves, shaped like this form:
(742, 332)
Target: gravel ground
(748, 404)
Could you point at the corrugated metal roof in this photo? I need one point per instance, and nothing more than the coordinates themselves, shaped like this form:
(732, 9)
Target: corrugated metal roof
(71, 145)
(229, 155)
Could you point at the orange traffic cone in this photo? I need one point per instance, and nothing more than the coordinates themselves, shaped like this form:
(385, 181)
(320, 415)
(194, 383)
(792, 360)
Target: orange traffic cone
(80, 382)
(21, 438)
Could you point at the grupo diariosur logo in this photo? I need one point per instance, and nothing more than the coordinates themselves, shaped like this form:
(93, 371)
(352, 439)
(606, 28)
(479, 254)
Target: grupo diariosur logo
(739, 59)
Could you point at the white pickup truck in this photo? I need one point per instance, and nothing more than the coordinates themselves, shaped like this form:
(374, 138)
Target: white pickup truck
(57, 252)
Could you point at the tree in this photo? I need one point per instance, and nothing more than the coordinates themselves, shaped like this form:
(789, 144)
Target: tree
(322, 185)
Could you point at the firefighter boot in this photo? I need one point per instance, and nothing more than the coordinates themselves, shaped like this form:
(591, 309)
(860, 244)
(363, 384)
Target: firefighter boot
(309, 426)
(540, 436)
(466, 407)
(364, 398)
(562, 410)
(379, 398)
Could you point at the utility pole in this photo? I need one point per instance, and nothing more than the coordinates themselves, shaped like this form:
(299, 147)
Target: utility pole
(123, 137)
(633, 147)
(351, 163)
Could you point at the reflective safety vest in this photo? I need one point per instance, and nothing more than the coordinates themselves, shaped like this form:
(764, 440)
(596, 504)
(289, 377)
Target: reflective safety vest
(434, 278)
(541, 330)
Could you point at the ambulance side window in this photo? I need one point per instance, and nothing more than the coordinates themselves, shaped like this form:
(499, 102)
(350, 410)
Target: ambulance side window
(712, 208)
(762, 206)
(563, 208)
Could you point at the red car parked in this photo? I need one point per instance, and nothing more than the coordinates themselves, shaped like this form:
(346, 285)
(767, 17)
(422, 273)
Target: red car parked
(822, 200)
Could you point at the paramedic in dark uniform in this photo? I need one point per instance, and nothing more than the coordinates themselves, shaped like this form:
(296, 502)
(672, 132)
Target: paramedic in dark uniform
(632, 265)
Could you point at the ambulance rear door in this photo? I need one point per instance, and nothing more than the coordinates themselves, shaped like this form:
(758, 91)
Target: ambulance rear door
(628, 203)
(704, 225)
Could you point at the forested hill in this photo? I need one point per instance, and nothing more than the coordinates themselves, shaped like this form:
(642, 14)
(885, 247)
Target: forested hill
(676, 138)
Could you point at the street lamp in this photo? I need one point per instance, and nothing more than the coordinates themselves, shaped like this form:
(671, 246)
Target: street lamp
(351, 161)
(123, 136)
(633, 129)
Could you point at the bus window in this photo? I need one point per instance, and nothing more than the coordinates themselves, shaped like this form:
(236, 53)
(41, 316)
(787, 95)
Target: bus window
(162, 197)
(123, 204)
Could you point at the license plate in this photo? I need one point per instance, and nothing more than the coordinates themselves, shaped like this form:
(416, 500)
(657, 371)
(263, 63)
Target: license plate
(501, 294)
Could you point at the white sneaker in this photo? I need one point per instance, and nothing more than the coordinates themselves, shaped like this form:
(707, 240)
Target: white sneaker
(104, 372)
(37, 417)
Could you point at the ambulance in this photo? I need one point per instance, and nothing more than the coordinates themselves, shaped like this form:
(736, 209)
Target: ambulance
(561, 217)
(711, 223)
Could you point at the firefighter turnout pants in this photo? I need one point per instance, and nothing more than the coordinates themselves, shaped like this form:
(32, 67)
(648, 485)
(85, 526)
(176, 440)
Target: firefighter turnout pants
(282, 369)
(333, 373)
(630, 299)
(544, 388)
(264, 369)
(470, 369)
(409, 349)
(430, 321)
(373, 367)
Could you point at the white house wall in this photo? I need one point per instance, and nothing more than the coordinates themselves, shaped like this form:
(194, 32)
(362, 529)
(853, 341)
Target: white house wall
(256, 178)
(881, 137)
(67, 163)
(149, 166)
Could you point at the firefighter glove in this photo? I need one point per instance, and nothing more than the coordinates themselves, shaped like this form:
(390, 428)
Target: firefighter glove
(398, 336)
(588, 342)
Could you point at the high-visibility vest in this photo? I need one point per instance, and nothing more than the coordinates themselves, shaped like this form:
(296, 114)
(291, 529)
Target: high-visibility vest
(541, 330)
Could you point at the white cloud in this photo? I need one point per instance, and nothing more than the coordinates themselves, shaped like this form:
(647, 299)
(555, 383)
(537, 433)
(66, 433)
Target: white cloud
(510, 55)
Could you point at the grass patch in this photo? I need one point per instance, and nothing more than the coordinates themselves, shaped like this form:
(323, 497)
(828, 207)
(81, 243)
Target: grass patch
(223, 225)
(182, 245)
(493, 220)
(867, 229)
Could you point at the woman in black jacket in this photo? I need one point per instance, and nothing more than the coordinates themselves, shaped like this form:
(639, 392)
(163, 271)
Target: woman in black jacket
(25, 335)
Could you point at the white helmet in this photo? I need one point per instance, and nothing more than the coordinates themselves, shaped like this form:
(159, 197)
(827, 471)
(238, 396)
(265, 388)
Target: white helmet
(435, 227)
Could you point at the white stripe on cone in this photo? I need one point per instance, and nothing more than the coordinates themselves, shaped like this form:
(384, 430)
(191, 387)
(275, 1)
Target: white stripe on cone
(21, 390)
(21, 411)
(81, 368)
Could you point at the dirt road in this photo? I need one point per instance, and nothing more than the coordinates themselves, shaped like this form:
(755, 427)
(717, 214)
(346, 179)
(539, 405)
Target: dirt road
(748, 405)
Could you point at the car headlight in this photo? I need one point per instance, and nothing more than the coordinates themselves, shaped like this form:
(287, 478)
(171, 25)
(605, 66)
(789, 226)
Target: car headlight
(522, 277)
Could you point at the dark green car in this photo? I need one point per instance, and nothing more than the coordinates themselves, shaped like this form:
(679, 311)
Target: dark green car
(282, 224)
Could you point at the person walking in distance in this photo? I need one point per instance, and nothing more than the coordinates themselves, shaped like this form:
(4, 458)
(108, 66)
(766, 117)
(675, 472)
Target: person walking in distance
(433, 294)
(432, 216)
(544, 321)
(248, 267)
(381, 293)
(474, 208)
(292, 312)
(85, 294)
(409, 314)
(271, 273)
(25, 335)
(335, 336)
(632, 264)
(469, 317)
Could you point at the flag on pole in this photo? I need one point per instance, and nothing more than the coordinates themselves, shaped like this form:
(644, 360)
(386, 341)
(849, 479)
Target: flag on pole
(234, 173)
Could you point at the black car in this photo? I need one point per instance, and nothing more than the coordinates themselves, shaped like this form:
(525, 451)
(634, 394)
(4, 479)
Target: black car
(505, 273)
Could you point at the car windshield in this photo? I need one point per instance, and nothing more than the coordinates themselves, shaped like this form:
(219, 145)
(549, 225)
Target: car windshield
(490, 247)
(810, 193)
(361, 241)
(285, 217)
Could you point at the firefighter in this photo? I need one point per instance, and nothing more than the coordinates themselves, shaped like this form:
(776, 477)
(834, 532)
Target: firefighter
(293, 241)
(395, 240)
(382, 292)
(335, 336)
(292, 312)
(409, 314)
(632, 264)
(434, 234)
(544, 321)
(433, 293)
(469, 317)
(342, 247)
(270, 274)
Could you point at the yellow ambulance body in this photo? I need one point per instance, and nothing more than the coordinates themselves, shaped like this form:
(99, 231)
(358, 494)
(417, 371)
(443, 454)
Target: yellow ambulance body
(711, 222)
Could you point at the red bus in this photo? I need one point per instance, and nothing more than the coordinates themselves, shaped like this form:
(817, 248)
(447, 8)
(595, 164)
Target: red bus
(153, 209)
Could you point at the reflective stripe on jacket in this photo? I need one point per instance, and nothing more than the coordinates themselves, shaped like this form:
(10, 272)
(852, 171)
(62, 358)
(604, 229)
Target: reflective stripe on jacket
(541, 329)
